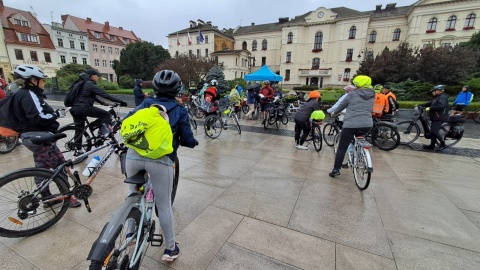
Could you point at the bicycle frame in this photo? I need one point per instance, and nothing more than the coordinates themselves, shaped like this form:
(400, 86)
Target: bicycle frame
(359, 144)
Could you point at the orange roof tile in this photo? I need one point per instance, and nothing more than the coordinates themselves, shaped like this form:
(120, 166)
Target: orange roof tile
(84, 26)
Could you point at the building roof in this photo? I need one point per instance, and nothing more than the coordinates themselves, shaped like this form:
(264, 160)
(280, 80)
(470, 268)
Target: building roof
(88, 26)
(35, 28)
(205, 28)
(389, 12)
(226, 52)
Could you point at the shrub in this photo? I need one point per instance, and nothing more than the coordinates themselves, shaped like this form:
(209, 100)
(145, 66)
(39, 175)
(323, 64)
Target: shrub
(106, 85)
(306, 87)
(126, 81)
(65, 82)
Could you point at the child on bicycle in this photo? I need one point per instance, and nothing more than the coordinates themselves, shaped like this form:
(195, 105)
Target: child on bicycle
(166, 85)
(302, 119)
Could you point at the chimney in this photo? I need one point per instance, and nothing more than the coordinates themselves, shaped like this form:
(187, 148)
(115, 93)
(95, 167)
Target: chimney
(64, 18)
(89, 20)
(283, 19)
(209, 23)
(253, 24)
(193, 24)
(107, 25)
(200, 22)
(378, 7)
(390, 6)
(121, 28)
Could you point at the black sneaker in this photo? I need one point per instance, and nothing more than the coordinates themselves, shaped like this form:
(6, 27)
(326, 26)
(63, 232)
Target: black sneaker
(334, 173)
(440, 148)
(171, 255)
(428, 147)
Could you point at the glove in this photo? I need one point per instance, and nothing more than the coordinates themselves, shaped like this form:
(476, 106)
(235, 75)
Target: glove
(57, 113)
(427, 109)
(123, 104)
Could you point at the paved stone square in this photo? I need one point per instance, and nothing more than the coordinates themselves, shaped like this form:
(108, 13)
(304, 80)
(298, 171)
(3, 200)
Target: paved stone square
(253, 201)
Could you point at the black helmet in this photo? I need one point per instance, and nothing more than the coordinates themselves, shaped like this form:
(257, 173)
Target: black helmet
(467, 87)
(439, 87)
(166, 83)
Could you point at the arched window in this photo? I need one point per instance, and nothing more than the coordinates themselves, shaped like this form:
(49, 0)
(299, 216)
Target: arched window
(396, 34)
(224, 46)
(254, 45)
(244, 45)
(290, 37)
(264, 44)
(352, 32)
(452, 20)
(373, 37)
(432, 24)
(317, 43)
(316, 63)
(470, 20)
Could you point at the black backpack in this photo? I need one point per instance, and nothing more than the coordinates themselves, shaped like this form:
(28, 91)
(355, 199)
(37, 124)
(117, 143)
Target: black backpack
(73, 92)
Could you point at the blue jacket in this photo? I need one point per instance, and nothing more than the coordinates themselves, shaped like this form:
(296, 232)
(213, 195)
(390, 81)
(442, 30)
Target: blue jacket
(138, 93)
(179, 121)
(463, 98)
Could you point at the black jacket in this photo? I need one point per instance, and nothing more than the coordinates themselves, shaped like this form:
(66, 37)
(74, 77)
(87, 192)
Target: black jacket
(438, 108)
(90, 91)
(26, 111)
(303, 114)
(138, 93)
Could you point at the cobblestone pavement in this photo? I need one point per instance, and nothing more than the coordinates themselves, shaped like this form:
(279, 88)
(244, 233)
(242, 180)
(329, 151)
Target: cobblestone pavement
(253, 201)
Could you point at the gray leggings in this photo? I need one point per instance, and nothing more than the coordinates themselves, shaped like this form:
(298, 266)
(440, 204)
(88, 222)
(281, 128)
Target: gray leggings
(161, 176)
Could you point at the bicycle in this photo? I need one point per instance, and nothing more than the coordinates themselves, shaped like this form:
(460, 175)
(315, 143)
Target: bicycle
(331, 129)
(191, 119)
(315, 135)
(476, 116)
(451, 131)
(86, 138)
(196, 106)
(8, 140)
(214, 124)
(358, 158)
(125, 237)
(275, 114)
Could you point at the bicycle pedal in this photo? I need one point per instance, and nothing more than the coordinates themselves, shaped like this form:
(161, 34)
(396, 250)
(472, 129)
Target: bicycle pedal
(156, 240)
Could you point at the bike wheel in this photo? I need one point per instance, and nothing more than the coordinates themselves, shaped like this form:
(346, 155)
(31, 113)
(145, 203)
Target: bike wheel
(199, 113)
(8, 143)
(317, 138)
(272, 117)
(22, 214)
(70, 144)
(284, 118)
(213, 126)
(385, 136)
(449, 141)
(336, 141)
(237, 124)
(361, 172)
(476, 116)
(120, 254)
(266, 121)
(409, 131)
(245, 108)
(176, 175)
(329, 133)
(193, 123)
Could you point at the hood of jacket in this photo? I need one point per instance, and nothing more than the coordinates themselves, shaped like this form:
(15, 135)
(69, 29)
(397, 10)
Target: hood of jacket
(138, 82)
(86, 77)
(365, 93)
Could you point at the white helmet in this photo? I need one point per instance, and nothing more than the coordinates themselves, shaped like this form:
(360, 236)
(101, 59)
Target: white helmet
(29, 71)
(214, 82)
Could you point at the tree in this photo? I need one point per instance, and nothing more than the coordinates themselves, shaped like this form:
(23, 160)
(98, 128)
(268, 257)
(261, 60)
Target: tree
(216, 73)
(189, 68)
(473, 43)
(116, 68)
(140, 59)
(72, 69)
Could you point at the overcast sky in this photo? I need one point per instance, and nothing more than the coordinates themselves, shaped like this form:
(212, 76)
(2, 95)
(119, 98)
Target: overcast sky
(153, 20)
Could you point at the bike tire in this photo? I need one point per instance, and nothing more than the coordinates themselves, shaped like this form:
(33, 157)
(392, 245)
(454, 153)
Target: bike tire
(272, 117)
(245, 108)
(449, 142)
(409, 131)
(193, 123)
(284, 118)
(317, 138)
(237, 124)
(361, 172)
(176, 175)
(336, 141)
(476, 116)
(385, 136)
(329, 133)
(14, 190)
(199, 113)
(213, 126)
(8, 143)
(116, 259)
(68, 146)
(265, 121)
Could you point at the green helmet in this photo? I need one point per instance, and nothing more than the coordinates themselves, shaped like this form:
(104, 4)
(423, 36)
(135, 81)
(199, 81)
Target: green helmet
(317, 115)
(378, 88)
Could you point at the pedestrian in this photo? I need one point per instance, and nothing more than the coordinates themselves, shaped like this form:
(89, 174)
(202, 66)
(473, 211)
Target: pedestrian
(138, 92)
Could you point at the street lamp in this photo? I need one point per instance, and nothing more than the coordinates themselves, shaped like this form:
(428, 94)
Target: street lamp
(367, 52)
(251, 62)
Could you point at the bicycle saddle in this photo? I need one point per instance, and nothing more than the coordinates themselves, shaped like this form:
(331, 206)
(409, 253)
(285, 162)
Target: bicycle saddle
(42, 137)
(137, 179)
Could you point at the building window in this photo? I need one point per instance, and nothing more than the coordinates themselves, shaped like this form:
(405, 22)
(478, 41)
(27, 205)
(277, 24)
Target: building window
(316, 63)
(97, 62)
(289, 57)
(33, 56)
(102, 49)
(95, 48)
(432, 25)
(373, 37)
(125, 40)
(198, 52)
(117, 51)
(289, 38)
(18, 54)
(287, 74)
(82, 46)
(111, 64)
(349, 55)
(264, 44)
(23, 37)
(17, 22)
(254, 45)
(29, 38)
(206, 39)
(244, 45)
(469, 21)
(74, 59)
(236, 63)
(318, 42)
(60, 42)
(264, 61)
(63, 59)
(452, 20)
(84, 60)
(352, 32)
(59, 33)
(206, 52)
(81, 37)
(97, 34)
(104, 63)
(396, 34)
(112, 37)
(110, 50)
(189, 53)
(346, 75)
(48, 59)
(25, 23)
(72, 44)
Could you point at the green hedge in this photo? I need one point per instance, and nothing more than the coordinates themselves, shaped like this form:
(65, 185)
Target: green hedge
(411, 104)
(305, 87)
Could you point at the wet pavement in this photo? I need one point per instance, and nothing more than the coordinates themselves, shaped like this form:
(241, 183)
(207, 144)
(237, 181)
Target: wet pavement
(253, 201)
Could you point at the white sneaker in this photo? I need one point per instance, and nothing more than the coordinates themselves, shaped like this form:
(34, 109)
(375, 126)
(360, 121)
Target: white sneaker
(302, 147)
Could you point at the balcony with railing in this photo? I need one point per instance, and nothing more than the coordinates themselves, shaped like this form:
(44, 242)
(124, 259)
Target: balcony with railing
(322, 72)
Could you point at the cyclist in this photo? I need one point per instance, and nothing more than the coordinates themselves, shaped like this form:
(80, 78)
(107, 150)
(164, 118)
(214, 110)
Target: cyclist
(33, 114)
(380, 101)
(391, 104)
(302, 118)
(166, 85)
(266, 93)
(438, 113)
(358, 117)
(83, 105)
(347, 89)
(210, 104)
(462, 100)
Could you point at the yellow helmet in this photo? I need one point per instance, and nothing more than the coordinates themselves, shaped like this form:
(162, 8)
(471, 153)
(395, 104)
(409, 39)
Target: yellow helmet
(362, 81)
(317, 115)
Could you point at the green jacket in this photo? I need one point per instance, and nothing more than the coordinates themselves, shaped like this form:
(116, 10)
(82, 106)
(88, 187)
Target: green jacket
(235, 97)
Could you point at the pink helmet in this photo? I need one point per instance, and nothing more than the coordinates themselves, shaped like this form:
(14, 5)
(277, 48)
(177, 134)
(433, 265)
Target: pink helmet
(349, 88)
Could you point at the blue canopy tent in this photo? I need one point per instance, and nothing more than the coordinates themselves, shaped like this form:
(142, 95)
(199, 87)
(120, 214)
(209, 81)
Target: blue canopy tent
(264, 73)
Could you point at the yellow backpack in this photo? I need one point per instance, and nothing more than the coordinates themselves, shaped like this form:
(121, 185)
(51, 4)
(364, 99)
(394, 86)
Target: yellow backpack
(148, 132)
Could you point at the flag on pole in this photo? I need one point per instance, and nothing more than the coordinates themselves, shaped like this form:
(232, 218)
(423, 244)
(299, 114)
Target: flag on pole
(178, 41)
(200, 36)
(189, 39)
